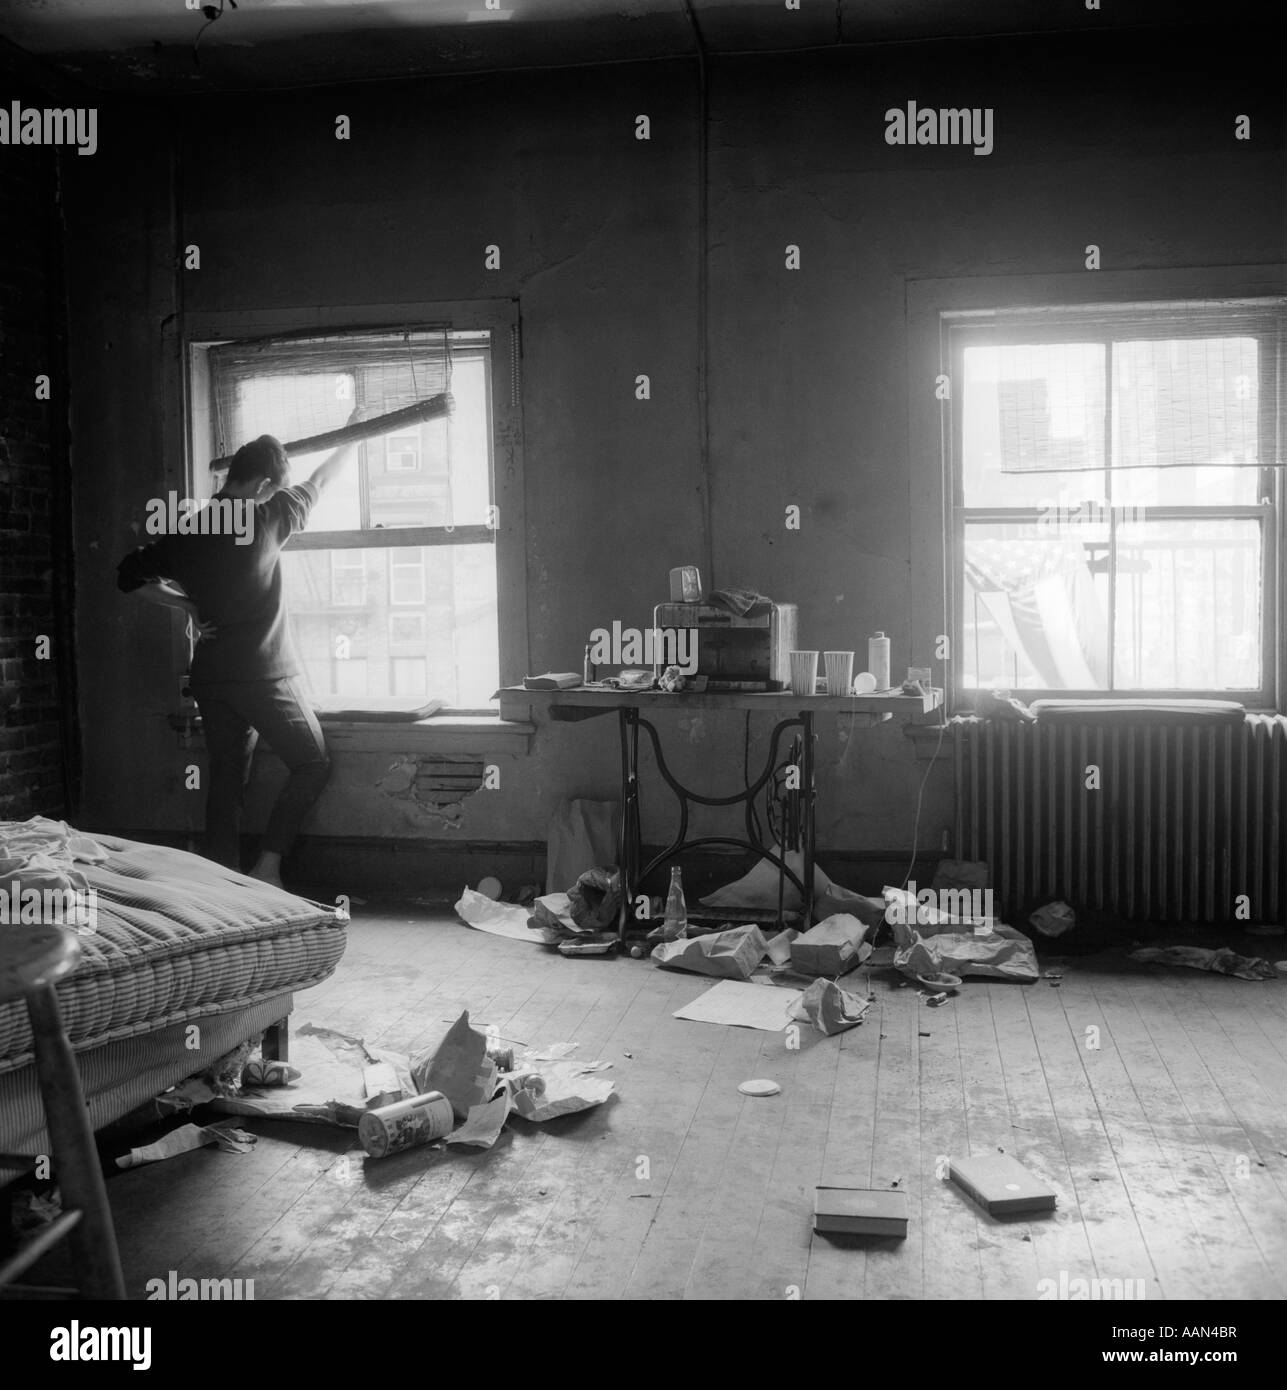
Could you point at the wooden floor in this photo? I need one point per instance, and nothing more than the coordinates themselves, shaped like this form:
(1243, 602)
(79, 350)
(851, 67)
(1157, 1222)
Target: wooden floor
(1167, 1144)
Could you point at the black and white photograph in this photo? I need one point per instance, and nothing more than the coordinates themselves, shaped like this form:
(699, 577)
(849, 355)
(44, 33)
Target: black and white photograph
(642, 659)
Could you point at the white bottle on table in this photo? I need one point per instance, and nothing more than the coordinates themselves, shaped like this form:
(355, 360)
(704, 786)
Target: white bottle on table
(878, 659)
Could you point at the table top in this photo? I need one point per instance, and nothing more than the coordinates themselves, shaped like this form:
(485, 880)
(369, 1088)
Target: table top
(779, 702)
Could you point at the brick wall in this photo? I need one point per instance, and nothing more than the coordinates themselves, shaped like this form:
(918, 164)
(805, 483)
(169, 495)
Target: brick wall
(35, 522)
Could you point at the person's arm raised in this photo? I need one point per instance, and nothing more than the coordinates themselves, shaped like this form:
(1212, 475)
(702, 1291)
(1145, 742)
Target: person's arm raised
(332, 466)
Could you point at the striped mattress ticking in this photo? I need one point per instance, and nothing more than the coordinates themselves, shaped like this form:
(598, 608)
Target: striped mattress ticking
(176, 937)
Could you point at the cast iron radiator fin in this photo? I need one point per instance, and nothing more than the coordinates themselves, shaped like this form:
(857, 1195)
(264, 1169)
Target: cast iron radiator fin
(1187, 821)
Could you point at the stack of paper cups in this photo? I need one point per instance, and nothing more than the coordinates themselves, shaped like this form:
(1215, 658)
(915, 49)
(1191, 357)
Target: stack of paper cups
(804, 673)
(840, 672)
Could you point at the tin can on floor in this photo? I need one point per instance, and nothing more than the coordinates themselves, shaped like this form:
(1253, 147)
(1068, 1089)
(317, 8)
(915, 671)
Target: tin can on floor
(405, 1124)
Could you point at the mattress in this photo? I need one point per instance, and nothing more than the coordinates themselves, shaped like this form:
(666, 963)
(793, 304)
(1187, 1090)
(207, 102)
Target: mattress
(175, 937)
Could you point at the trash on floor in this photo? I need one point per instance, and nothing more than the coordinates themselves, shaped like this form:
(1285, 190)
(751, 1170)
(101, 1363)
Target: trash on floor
(1001, 953)
(551, 920)
(1054, 919)
(405, 1124)
(595, 899)
(780, 946)
(737, 1004)
(567, 1088)
(259, 1071)
(760, 1087)
(860, 1211)
(185, 1139)
(834, 947)
(731, 954)
(482, 912)
(458, 1067)
(1000, 1184)
(936, 1001)
(459, 1072)
(940, 983)
(595, 944)
(831, 1009)
(1221, 962)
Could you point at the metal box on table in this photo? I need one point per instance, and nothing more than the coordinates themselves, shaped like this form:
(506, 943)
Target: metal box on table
(749, 653)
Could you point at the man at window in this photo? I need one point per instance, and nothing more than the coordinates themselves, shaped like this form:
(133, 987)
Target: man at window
(245, 673)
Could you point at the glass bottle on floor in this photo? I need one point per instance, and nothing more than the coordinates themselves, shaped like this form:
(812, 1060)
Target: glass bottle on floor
(675, 923)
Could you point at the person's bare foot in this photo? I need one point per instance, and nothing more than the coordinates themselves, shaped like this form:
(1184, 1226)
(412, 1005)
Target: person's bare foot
(268, 868)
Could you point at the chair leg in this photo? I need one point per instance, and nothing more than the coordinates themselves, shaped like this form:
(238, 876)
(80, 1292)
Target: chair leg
(80, 1179)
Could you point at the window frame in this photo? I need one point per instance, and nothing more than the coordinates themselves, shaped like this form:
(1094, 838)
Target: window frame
(500, 319)
(1103, 323)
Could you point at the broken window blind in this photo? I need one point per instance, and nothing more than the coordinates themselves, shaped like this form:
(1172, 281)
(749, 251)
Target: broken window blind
(303, 389)
(1173, 388)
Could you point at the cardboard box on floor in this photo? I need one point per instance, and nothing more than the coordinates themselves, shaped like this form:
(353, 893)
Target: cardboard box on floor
(830, 948)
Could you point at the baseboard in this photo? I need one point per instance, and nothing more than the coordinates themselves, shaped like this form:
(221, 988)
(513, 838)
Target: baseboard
(371, 866)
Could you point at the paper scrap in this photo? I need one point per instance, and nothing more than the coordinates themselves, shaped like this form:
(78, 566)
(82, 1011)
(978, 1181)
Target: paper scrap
(184, 1140)
(459, 1067)
(568, 1088)
(780, 946)
(831, 1009)
(495, 918)
(552, 1052)
(483, 1124)
(739, 1004)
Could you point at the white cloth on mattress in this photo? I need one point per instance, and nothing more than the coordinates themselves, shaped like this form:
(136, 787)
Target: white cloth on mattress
(41, 853)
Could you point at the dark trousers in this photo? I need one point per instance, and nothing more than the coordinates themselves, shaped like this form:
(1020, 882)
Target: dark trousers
(235, 715)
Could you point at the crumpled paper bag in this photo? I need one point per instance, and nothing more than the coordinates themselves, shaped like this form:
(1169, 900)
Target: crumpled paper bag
(458, 1066)
(595, 899)
(1002, 953)
(831, 1009)
(1054, 919)
(731, 954)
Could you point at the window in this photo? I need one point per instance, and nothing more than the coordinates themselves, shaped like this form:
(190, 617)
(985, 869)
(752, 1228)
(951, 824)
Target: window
(402, 453)
(408, 541)
(407, 630)
(408, 675)
(348, 578)
(1114, 502)
(407, 578)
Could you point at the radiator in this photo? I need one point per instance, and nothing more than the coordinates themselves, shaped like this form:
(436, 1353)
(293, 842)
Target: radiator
(1186, 825)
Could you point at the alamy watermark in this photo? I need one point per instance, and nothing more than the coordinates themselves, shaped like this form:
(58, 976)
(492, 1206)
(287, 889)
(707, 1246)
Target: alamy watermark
(650, 646)
(32, 905)
(43, 125)
(912, 908)
(928, 125)
(184, 1290)
(173, 515)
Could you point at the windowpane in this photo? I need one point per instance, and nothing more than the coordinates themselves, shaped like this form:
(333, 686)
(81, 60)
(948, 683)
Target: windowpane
(454, 615)
(439, 474)
(409, 675)
(1185, 401)
(348, 578)
(406, 577)
(1188, 605)
(281, 405)
(1035, 603)
(1030, 411)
